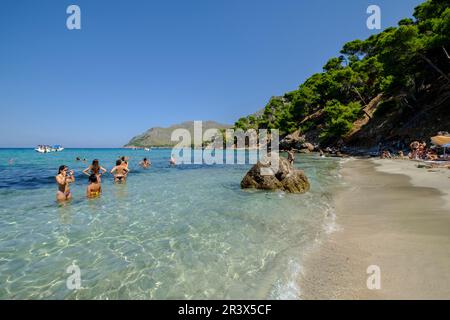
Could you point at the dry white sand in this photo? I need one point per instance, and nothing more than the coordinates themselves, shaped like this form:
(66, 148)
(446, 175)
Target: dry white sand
(393, 215)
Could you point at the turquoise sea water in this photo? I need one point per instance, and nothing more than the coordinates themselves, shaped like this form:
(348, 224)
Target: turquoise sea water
(187, 232)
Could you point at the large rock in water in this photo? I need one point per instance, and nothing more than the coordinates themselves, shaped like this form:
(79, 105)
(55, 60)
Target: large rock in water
(287, 178)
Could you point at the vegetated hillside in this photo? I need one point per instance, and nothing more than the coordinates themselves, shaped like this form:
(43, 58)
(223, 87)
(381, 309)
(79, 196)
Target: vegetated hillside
(393, 86)
(401, 120)
(161, 137)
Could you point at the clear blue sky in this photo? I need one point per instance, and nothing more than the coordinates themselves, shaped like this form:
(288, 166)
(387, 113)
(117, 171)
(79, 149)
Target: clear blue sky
(138, 64)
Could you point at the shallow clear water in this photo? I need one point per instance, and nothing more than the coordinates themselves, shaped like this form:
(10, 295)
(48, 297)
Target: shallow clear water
(185, 232)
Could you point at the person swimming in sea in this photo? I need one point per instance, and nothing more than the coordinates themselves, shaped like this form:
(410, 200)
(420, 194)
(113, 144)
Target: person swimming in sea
(172, 161)
(145, 163)
(322, 155)
(96, 169)
(94, 189)
(63, 179)
(120, 172)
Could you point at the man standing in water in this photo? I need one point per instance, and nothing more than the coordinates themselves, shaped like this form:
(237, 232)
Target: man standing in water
(145, 163)
(63, 179)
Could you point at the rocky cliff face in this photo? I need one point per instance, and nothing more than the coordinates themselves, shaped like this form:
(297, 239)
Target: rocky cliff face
(392, 121)
(400, 120)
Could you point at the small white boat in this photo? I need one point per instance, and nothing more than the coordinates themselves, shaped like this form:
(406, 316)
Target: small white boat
(41, 150)
(48, 149)
(147, 149)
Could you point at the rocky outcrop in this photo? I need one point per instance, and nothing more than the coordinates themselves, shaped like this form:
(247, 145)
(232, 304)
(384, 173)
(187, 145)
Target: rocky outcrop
(296, 141)
(307, 146)
(286, 178)
(292, 141)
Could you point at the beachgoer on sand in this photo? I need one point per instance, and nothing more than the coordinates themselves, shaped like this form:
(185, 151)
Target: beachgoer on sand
(432, 155)
(414, 146)
(386, 155)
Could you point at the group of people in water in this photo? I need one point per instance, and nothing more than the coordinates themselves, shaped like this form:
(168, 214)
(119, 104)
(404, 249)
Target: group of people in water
(95, 171)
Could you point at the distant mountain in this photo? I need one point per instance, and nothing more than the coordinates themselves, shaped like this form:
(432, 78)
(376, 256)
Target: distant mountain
(160, 137)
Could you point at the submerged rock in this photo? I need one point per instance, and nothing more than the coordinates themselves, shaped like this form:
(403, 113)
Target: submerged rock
(287, 178)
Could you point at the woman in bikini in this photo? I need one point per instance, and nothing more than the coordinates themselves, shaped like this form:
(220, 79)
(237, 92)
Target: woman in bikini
(63, 179)
(96, 169)
(94, 189)
(120, 172)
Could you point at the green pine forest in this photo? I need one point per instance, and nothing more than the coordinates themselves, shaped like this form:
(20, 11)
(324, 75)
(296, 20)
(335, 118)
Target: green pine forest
(397, 76)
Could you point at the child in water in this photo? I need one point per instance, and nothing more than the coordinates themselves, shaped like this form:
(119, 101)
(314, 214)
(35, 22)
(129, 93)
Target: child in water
(94, 189)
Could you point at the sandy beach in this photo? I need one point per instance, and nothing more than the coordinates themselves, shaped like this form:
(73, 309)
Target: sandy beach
(391, 214)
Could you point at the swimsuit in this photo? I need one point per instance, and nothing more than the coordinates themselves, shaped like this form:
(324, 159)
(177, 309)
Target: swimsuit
(94, 194)
(66, 194)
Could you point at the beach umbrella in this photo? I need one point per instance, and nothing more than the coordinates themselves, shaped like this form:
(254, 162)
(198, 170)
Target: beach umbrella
(441, 140)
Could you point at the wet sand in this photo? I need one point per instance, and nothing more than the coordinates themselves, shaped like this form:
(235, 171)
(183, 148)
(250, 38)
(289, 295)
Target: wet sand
(393, 215)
